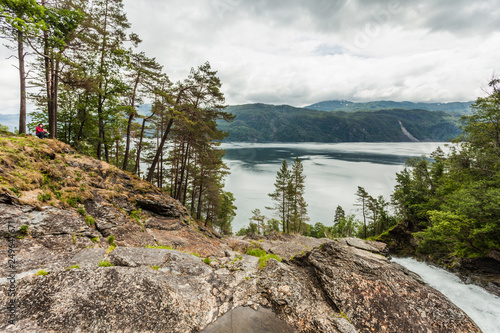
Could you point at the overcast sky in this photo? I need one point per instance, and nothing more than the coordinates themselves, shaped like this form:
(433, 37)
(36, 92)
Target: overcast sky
(300, 52)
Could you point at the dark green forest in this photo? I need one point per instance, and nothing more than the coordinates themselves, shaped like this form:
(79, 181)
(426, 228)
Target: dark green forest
(283, 123)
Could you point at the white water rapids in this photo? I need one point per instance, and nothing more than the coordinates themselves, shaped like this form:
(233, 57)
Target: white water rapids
(480, 305)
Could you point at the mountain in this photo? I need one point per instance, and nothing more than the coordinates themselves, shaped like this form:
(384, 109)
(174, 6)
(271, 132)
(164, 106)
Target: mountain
(284, 123)
(348, 106)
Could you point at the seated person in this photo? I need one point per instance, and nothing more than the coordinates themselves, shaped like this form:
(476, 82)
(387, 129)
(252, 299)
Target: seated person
(40, 131)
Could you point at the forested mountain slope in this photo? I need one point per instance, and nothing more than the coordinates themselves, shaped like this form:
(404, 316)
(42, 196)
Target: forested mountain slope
(283, 123)
(343, 105)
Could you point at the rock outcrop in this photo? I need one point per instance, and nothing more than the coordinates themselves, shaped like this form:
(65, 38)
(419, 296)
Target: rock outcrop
(161, 272)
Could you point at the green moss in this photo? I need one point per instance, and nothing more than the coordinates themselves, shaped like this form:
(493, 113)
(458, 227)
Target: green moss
(207, 260)
(72, 267)
(42, 272)
(155, 267)
(95, 240)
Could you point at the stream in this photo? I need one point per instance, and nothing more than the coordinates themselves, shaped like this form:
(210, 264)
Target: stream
(480, 305)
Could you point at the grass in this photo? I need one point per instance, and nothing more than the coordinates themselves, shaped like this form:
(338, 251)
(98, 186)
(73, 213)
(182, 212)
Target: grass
(207, 260)
(72, 267)
(111, 241)
(256, 252)
(110, 249)
(81, 211)
(155, 267)
(23, 230)
(42, 272)
(105, 263)
(89, 220)
(165, 247)
(44, 197)
(263, 260)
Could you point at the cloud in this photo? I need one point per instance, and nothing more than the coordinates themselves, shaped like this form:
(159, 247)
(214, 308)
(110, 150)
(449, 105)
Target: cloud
(301, 52)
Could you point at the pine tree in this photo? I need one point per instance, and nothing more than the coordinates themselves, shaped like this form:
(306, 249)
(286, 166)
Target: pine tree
(297, 189)
(280, 194)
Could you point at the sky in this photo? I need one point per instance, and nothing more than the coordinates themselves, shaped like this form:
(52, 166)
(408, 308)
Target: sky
(299, 52)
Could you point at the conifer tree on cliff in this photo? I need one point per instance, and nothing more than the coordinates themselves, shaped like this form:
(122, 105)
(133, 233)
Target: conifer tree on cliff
(280, 195)
(298, 203)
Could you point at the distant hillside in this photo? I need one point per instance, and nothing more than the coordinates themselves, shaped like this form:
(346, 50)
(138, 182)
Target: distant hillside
(348, 106)
(284, 123)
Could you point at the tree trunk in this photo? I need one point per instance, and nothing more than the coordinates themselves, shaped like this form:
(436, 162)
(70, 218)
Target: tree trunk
(22, 81)
(127, 146)
(149, 178)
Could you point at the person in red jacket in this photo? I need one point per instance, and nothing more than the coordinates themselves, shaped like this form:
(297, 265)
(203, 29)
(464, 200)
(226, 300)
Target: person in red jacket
(40, 131)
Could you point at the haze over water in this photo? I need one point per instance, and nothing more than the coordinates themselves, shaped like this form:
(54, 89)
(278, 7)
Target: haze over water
(333, 173)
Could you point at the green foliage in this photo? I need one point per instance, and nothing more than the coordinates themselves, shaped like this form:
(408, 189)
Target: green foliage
(42, 272)
(81, 211)
(72, 267)
(111, 240)
(105, 263)
(23, 230)
(256, 252)
(288, 197)
(89, 220)
(264, 258)
(155, 267)
(455, 200)
(207, 260)
(74, 201)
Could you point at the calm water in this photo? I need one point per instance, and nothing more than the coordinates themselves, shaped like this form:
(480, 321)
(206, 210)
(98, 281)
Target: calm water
(481, 306)
(333, 173)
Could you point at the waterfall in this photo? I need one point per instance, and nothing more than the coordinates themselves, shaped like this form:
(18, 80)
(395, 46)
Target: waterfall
(480, 305)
